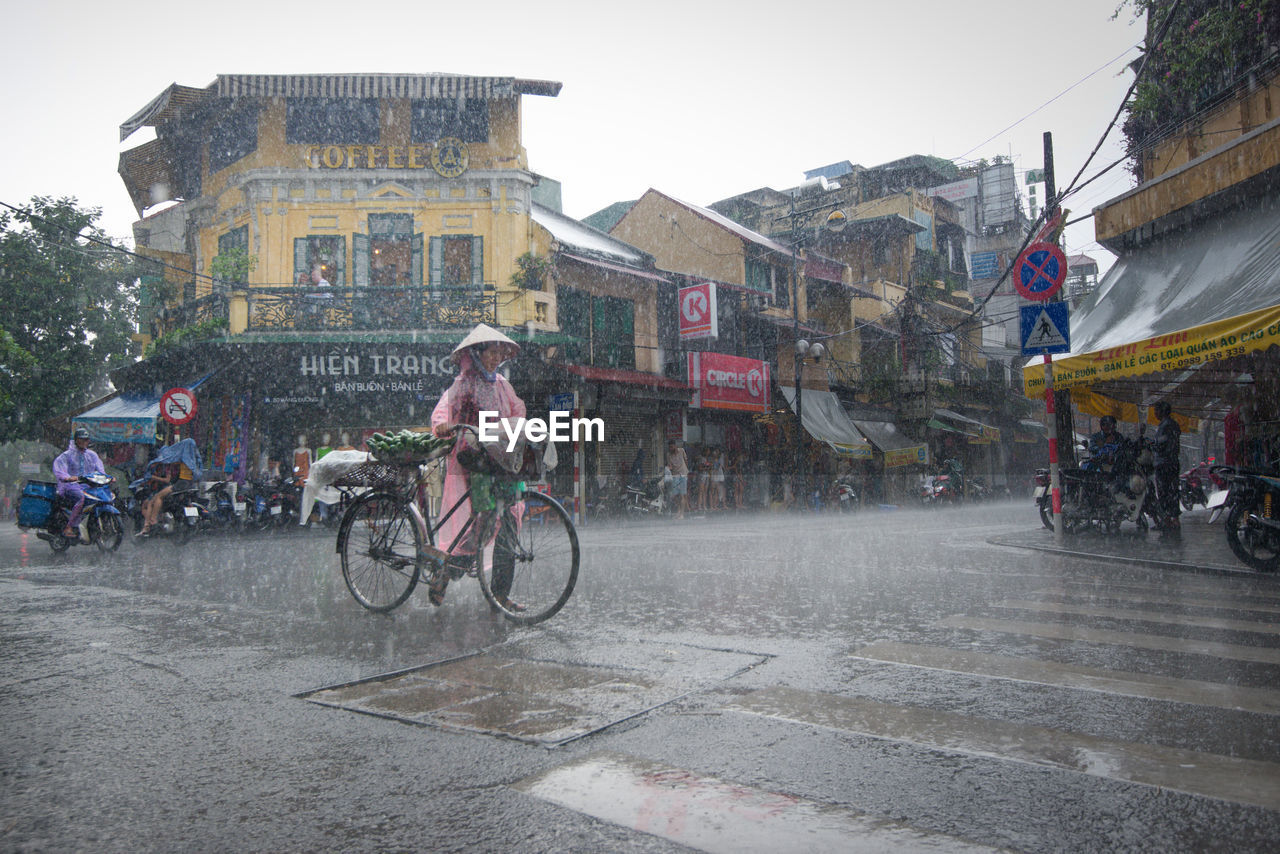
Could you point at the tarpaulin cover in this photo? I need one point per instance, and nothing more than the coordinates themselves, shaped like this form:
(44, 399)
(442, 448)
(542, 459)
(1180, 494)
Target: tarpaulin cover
(827, 422)
(1168, 319)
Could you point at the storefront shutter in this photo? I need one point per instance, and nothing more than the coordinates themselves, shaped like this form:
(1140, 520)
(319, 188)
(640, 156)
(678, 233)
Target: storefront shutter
(436, 262)
(360, 259)
(415, 248)
(477, 262)
(301, 263)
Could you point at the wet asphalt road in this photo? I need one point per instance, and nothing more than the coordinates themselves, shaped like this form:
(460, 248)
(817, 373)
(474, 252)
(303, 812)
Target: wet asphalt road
(777, 683)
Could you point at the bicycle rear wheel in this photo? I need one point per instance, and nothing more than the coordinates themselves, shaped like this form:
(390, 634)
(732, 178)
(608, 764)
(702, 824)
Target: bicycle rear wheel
(535, 561)
(379, 543)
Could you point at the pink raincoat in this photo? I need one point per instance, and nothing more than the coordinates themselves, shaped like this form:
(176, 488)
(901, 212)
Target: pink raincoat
(461, 403)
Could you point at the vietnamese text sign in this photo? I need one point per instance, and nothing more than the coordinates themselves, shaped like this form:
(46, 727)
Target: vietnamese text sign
(729, 382)
(916, 454)
(1174, 351)
(697, 308)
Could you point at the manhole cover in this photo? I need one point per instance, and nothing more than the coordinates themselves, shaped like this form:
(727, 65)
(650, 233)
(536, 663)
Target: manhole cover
(502, 692)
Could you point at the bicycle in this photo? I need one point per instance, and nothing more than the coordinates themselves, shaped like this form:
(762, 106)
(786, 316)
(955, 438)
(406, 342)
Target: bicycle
(387, 545)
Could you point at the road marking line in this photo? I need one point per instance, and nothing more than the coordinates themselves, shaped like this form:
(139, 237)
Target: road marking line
(1145, 616)
(1211, 598)
(1243, 781)
(712, 815)
(1246, 699)
(1064, 631)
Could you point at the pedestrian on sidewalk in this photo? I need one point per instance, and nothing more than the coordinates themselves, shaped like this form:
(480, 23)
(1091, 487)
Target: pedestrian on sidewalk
(1166, 449)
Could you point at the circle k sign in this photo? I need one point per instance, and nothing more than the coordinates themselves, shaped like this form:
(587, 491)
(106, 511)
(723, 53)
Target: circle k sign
(698, 311)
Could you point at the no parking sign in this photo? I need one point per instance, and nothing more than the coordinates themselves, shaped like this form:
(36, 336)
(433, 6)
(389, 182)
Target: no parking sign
(1040, 271)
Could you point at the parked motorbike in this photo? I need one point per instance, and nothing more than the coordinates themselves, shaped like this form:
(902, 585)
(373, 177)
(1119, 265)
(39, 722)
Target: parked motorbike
(222, 513)
(1101, 496)
(273, 506)
(643, 499)
(1253, 518)
(1195, 485)
(42, 508)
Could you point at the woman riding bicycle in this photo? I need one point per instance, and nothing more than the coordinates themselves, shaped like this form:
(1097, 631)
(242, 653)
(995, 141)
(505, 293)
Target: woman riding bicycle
(477, 388)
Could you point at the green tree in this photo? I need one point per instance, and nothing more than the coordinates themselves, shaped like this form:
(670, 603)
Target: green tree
(70, 307)
(1209, 48)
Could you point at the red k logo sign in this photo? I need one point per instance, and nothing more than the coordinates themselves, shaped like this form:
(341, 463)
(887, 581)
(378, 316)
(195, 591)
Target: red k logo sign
(697, 306)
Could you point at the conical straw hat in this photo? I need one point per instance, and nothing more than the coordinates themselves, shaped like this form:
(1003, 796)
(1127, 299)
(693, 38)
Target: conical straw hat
(484, 334)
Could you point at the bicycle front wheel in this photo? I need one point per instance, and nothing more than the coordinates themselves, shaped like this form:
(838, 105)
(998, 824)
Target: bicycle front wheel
(535, 561)
(379, 543)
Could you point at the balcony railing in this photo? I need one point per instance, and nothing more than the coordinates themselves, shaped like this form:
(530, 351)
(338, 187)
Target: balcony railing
(194, 312)
(365, 308)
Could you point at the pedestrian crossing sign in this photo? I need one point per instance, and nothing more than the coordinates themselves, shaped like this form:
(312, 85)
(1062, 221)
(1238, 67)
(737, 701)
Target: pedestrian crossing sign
(1046, 328)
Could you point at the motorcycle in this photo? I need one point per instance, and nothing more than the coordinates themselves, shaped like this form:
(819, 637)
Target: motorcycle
(642, 499)
(1103, 494)
(41, 507)
(181, 513)
(1192, 485)
(846, 496)
(1253, 518)
(272, 506)
(223, 514)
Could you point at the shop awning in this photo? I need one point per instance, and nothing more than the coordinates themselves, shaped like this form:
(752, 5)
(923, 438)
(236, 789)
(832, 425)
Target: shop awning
(826, 421)
(626, 377)
(1176, 320)
(883, 434)
(124, 418)
(954, 422)
(130, 417)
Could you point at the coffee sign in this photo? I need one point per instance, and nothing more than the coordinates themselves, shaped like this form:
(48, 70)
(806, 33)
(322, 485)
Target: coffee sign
(449, 157)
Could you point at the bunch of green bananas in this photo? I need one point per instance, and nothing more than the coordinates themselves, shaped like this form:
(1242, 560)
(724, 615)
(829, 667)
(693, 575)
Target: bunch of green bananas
(404, 444)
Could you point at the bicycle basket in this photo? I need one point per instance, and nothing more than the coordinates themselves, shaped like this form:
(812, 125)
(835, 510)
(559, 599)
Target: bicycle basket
(491, 457)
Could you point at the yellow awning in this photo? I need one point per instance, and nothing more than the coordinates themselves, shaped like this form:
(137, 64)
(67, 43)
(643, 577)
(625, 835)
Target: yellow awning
(1185, 349)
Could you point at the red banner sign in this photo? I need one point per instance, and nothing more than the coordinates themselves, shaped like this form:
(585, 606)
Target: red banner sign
(729, 382)
(697, 309)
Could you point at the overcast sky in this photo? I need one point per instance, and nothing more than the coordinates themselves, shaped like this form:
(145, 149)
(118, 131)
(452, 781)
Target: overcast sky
(702, 100)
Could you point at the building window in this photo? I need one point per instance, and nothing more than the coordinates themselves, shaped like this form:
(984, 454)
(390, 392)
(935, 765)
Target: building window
(457, 262)
(391, 255)
(437, 118)
(233, 137)
(758, 276)
(603, 328)
(337, 121)
(236, 238)
(328, 252)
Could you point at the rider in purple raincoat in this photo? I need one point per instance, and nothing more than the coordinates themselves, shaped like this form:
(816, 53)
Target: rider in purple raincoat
(73, 463)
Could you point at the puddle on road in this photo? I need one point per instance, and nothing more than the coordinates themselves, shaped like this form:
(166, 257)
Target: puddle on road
(713, 815)
(499, 692)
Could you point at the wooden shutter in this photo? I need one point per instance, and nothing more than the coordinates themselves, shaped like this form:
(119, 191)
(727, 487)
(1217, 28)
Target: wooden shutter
(360, 259)
(415, 264)
(477, 262)
(301, 263)
(435, 261)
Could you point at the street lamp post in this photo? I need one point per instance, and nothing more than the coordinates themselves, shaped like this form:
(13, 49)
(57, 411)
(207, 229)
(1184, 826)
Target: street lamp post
(803, 349)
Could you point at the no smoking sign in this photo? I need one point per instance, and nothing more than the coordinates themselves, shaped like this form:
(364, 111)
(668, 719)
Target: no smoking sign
(178, 406)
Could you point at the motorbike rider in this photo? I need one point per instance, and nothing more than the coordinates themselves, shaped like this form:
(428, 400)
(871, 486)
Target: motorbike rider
(1104, 445)
(174, 470)
(77, 461)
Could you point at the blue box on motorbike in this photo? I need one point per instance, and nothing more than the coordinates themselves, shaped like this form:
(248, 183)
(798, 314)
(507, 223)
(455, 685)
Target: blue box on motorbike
(36, 503)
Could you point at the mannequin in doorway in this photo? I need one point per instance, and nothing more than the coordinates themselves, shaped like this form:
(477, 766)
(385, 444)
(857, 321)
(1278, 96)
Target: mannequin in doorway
(344, 442)
(301, 460)
(324, 446)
